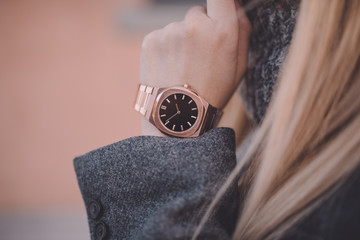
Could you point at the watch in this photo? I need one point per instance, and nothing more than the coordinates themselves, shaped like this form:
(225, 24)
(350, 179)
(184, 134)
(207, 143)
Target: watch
(176, 111)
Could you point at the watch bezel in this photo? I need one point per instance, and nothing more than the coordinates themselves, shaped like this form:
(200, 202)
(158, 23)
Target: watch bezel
(166, 92)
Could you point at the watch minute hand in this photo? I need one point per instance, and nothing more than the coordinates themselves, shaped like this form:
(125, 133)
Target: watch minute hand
(172, 116)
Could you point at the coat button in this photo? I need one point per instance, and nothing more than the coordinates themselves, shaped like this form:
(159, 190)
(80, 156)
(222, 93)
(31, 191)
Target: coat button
(100, 231)
(94, 209)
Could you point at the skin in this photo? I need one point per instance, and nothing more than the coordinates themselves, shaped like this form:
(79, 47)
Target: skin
(207, 50)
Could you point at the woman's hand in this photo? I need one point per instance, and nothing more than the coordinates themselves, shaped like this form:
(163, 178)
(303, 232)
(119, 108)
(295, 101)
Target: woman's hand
(208, 51)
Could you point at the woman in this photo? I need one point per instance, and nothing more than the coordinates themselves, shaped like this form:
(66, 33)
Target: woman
(298, 178)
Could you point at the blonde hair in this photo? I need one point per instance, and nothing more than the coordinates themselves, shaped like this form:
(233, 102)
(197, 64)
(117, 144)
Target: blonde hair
(309, 141)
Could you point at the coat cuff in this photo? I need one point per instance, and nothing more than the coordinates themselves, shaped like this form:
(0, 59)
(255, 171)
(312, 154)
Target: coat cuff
(156, 187)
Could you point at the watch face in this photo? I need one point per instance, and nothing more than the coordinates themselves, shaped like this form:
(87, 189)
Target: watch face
(178, 112)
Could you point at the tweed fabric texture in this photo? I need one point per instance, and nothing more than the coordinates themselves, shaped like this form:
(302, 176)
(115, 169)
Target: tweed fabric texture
(158, 187)
(273, 23)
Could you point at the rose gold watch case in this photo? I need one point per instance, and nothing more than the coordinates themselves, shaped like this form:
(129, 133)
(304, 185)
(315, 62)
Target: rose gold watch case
(202, 106)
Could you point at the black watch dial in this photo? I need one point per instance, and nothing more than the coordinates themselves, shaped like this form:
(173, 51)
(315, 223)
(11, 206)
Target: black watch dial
(178, 112)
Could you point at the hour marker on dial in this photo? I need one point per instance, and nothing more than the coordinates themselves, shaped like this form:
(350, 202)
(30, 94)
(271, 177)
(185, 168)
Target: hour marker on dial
(175, 97)
(193, 117)
(163, 107)
(182, 128)
(168, 100)
(164, 115)
(190, 101)
(193, 109)
(173, 128)
(183, 97)
(189, 124)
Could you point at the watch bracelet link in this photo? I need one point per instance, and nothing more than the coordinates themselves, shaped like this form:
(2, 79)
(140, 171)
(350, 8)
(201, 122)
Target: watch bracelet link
(144, 97)
(212, 118)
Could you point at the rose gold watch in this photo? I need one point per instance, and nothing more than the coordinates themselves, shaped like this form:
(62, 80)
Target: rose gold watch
(176, 111)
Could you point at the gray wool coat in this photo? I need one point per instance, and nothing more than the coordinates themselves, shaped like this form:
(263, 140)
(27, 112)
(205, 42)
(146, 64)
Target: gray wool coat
(159, 187)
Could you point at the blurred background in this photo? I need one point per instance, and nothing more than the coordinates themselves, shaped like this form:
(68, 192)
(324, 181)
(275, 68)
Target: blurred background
(68, 78)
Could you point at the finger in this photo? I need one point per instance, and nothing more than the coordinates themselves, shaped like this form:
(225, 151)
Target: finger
(244, 23)
(244, 35)
(221, 10)
(238, 4)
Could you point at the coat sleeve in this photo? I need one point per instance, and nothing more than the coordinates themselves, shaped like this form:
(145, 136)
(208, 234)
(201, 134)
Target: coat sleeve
(158, 187)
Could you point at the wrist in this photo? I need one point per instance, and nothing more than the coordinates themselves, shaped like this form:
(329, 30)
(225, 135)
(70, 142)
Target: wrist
(215, 96)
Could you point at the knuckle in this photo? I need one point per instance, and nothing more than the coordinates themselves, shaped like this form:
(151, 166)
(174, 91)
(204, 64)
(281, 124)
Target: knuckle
(223, 36)
(195, 11)
(190, 29)
(171, 27)
(227, 30)
(226, 33)
(149, 40)
(172, 31)
(194, 26)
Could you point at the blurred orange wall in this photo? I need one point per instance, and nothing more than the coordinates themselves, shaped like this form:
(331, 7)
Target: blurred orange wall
(68, 77)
